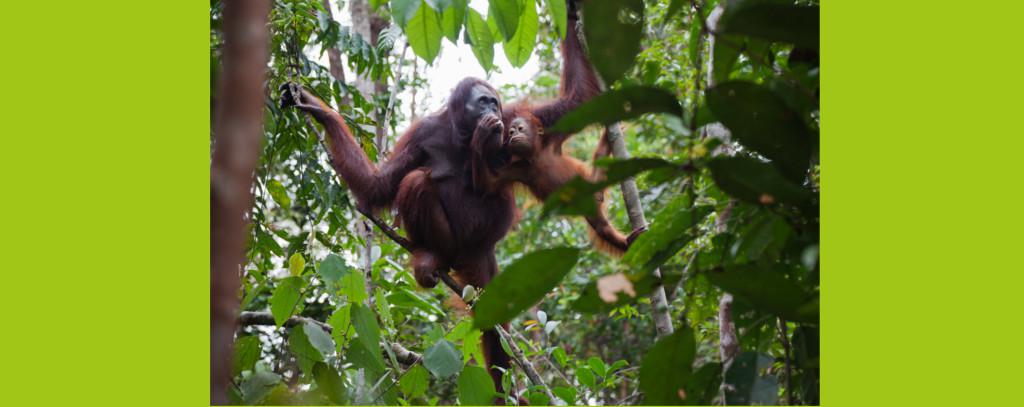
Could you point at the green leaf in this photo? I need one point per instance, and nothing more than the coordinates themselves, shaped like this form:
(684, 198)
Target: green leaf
(726, 52)
(367, 329)
(341, 326)
(567, 394)
(754, 181)
(332, 269)
(613, 31)
(296, 264)
(330, 383)
(415, 382)
(559, 16)
(442, 359)
(424, 33)
(305, 353)
(790, 23)
(279, 194)
(258, 385)
(370, 359)
(576, 197)
(761, 121)
(523, 284)
(475, 387)
(674, 8)
(764, 237)
(694, 46)
(452, 18)
(520, 47)
(247, 352)
(319, 338)
(671, 229)
(746, 385)
(480, 39)
(354, 286)
(598, 366)
(439, 5)
(704, 384)
(402, 11)
(538, 399)
(506, 15)
(666, 368)
(586, 377)
(618, 105)
(286, 298)
(766, 288)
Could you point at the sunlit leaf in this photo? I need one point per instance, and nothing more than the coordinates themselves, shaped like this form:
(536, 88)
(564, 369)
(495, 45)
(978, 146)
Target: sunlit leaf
(452, 19)
(480, 38)
(247, 352)
(278, 193)
(296, 264)
(559, 16)
(475, 387)
(403, 10)
(523, 284)
(287, 296)
(520, 47)
(506, 15)
(424, 33)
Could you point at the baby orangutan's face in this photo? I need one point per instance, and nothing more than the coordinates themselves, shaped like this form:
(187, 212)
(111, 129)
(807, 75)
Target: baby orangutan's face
(520, 138)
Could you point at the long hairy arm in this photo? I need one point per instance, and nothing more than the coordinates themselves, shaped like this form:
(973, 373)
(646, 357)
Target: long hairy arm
(578, 83)
(373, 187)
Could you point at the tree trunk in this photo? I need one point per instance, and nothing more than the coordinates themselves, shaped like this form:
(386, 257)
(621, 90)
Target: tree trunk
(238, 130)
(337, 69)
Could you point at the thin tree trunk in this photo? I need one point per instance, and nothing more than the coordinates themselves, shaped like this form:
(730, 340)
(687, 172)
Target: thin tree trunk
(335, 66)
(238, 130)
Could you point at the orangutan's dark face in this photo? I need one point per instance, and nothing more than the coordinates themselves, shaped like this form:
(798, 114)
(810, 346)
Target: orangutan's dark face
(481, 102)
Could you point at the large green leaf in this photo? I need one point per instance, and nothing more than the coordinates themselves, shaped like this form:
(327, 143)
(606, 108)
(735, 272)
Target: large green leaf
(523, 284)
(766, 288)
(362, 357)
(330, 383)
(442, 359)
(403, 10)
(439, 5)
(247, 352)
(520, 47)
(353, 285)
(775, 22)
(704, 384)
(286, 298)
(480, 39)
(745, 383)
(332, 269)
(672, 228)
(319, 338)
(559, 16)
(414, 383)
(296, 264)
(451, 20)
(367, 329)
(576, 197)
(424, 33)
(475, 387)
(258, 385)
(305, 353)
(613, 30)
(754, 181)
(726, 52)
(666, 368)
(506, 15)
(341, 326)
(618, 105)
(761, 121)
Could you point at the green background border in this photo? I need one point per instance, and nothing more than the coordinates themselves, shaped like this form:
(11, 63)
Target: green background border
(105, 162)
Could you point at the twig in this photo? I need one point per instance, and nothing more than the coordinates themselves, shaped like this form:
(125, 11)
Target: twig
(789, 366)
(527, 367)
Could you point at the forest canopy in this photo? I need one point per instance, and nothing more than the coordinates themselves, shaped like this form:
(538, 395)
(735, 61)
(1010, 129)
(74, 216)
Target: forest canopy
(716, 106)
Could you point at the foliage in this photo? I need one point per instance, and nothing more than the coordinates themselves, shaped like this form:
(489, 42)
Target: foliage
(733, 211)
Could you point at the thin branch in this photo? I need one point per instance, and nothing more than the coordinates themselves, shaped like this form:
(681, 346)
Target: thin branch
(789, 365)
(528, 368)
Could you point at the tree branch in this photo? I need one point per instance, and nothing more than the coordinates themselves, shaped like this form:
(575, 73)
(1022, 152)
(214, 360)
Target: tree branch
(531, 372)
(247, 318)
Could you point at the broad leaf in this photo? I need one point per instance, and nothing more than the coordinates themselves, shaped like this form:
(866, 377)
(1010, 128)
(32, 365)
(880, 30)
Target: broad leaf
(258, 385)
(367, 329)
(330, 383)
(286, 298)
(403, 10)
(341, 326)
(618, 105)
(766, 288)
(523, 284)
(439, 5)
(475, 387)
(370, 359)
(726, 52)
(754, 181)
(671, 229)
(442, 359)
(506, 16)
(745, 384)
(415, 382)
(424, 33)
(666, 368)
(296, 264)
(559, 16)
(613, 30)
(353, 285)
(305, 353)
(704, 384)
(247, 352)
(790, 23)
(761, 120)
(520, 47)
(319, 338)
(576, 197)
(480, 39)
(452, 18)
